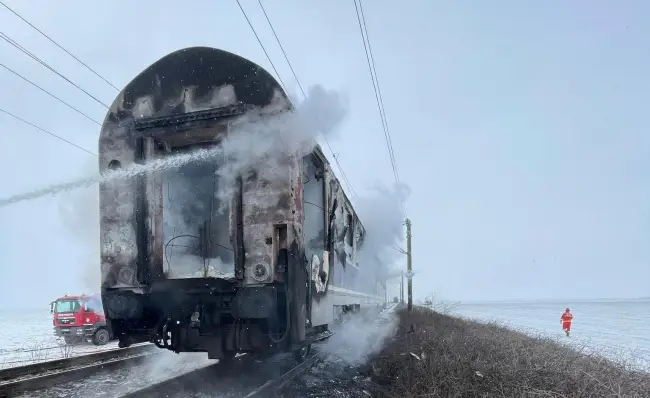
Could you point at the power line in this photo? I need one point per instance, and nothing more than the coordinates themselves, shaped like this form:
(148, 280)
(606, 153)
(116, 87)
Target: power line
(282, 48)
(45, 131)
(375, 83)
(262, 45)
(18, 46)
(345, 178)
(50, 94)
(336, 160)
(381, 100)
(58, 45)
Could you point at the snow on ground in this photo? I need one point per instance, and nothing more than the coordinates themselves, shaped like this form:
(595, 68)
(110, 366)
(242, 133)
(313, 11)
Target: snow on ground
(167, 364)
(27, 337)
(618, 329)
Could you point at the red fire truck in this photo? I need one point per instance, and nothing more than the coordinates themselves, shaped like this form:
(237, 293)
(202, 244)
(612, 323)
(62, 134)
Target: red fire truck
(80, 318)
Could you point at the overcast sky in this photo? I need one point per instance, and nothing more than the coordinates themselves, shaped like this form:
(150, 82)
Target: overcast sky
(520, 127)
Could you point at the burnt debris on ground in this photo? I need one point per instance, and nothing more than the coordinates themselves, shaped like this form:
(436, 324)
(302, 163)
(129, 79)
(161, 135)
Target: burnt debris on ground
(331, 377)
(436, 355)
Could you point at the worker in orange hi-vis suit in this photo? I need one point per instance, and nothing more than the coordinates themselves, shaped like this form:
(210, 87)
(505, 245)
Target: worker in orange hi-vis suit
(566, 319)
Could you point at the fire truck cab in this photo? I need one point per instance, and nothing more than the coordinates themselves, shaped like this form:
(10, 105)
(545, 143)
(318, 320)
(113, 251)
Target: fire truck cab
(80, 318)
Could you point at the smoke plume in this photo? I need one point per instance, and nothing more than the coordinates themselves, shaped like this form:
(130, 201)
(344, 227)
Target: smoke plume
(381, 212)
(79, 212)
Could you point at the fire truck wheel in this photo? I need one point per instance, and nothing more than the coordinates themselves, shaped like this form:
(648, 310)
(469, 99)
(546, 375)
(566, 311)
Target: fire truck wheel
(101, 337)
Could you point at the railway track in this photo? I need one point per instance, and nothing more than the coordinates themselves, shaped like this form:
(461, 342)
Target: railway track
(18, 380)
(127, 373)
(247, 376)
(271, 386)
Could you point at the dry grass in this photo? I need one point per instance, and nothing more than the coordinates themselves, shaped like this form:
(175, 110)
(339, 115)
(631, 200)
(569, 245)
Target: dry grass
(435, 355)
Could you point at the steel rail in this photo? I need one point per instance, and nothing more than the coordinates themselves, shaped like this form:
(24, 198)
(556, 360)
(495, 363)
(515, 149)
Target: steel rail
(239, 377)
(270, 387)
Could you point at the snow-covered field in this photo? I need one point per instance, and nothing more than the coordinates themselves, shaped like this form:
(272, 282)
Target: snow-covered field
(618, 329)
(615, 328)
(26, 337)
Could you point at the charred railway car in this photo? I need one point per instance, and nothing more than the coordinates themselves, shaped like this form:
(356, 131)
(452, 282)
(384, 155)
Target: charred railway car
(192, 270)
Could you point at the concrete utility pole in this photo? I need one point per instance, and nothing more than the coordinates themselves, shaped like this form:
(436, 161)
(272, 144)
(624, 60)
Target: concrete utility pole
(401, 289)
(385, 292)
(408, 264)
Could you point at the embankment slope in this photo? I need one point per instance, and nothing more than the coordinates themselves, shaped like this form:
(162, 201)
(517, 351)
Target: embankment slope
(436, 355)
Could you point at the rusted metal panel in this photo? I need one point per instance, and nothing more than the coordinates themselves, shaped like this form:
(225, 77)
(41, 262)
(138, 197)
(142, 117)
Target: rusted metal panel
(154, 198)
(266, 203)
(117, 213)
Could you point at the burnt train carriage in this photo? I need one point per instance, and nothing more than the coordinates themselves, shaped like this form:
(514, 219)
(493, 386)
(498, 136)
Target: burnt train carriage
(190, 259)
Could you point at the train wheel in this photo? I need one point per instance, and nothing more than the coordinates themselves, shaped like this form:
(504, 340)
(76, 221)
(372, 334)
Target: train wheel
(302, 353)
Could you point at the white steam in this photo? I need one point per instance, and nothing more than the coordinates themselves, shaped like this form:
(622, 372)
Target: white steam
(161, 367)
(360, 336)
(381, 212)
(79, 212)
(262, 144)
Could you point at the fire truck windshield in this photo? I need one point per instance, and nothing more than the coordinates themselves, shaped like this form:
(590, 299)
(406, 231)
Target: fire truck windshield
(67, 306)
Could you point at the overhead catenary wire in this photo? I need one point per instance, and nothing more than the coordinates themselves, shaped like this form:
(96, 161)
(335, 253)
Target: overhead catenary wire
(43, 63)
(375, 82)
(18, 46)
(336, 160)
(261, 45)
(282, 48)
(50, 94)
(58, 45)
(45, 131)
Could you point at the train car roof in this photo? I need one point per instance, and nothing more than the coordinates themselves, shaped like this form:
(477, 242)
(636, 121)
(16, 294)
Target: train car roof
(187, 77)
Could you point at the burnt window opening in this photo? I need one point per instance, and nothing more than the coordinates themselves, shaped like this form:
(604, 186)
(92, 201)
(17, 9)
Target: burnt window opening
(283, 259)
(114, 164)
(196, 220)
(314, 208)
(350, 230)
(281, 245)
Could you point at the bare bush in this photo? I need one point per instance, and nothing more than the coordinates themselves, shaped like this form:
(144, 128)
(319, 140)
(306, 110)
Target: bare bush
(436, 355)
(38, 351)
(66, 350)
(444, 307)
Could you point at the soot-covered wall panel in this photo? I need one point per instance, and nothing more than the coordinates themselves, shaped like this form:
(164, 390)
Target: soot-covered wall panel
(187, 80)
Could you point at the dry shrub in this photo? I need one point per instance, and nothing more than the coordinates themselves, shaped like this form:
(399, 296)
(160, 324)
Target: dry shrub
(436, 355)
(66, 350)
(38, 351)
